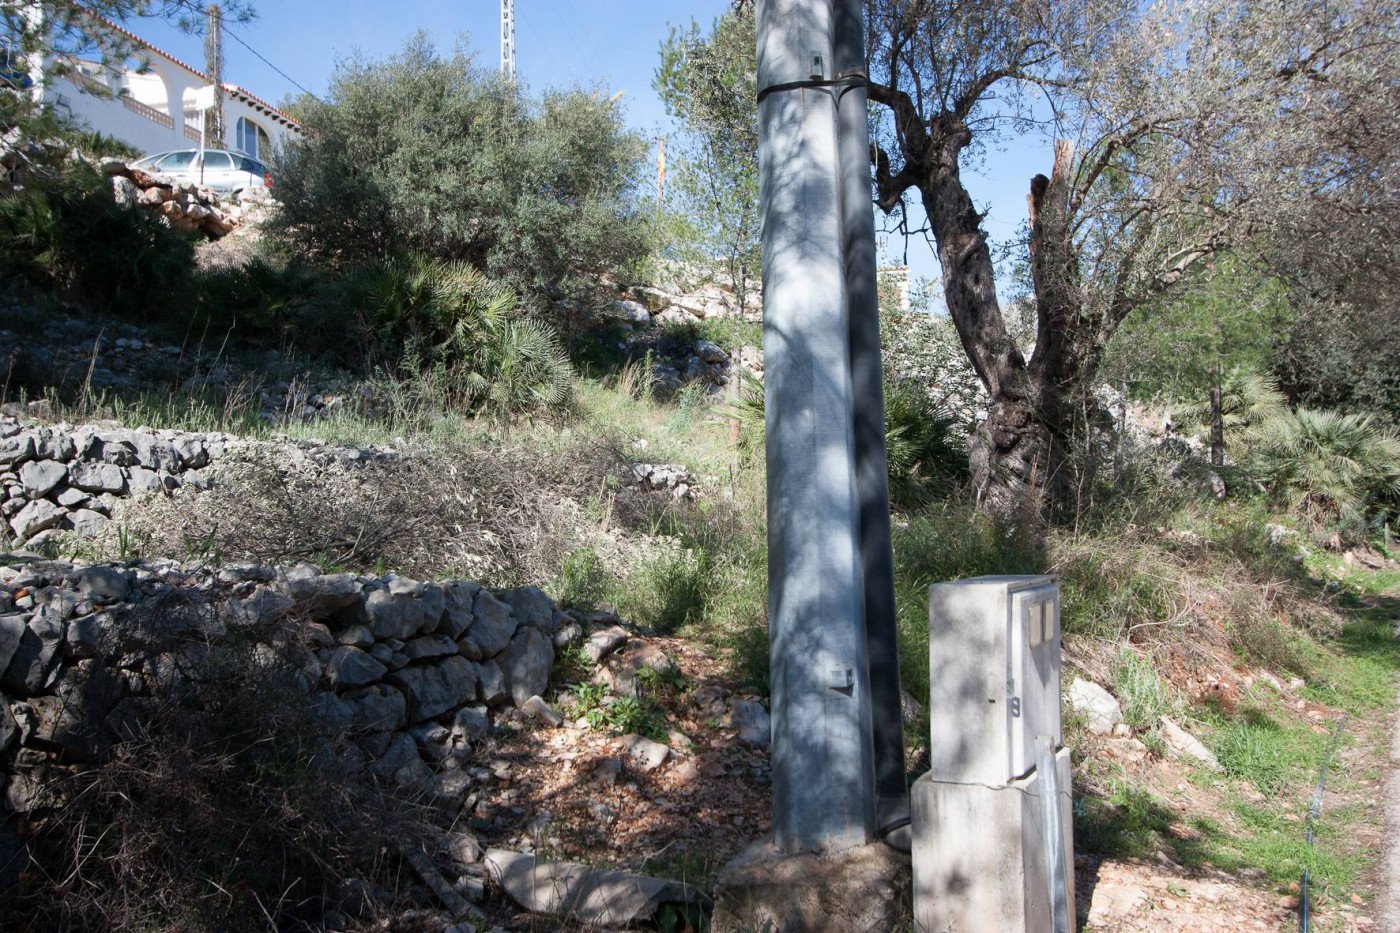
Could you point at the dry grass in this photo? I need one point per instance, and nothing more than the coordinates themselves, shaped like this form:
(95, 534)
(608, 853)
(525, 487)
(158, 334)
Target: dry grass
(221, 808)
(497, 513)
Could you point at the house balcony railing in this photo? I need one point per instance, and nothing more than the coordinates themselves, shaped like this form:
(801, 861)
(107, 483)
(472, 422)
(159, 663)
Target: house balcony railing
(192, 133)
(149, 112)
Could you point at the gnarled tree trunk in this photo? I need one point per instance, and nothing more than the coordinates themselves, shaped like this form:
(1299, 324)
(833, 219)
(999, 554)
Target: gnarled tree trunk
(1020, 453)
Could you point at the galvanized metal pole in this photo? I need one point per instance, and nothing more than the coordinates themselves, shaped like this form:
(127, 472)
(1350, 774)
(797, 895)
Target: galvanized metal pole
(508, 39)
(823, 774)
(872, 464)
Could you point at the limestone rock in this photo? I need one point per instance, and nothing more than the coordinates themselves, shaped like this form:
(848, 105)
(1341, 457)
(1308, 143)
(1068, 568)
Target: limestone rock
(457, 609)
(492, 628)
(41, 477)
(537, 707)
(632, 312)
(644, 753)
(470, 721)
(263, 606)
(15, 450)
(1100, 710)
(491, 684)
(429, 646)
(530, 606)
(526, 664)
(97, 477)
(103, 584)
(1184, 744)
(351, 667)
(583, 894)
(604, 642)
(357, 636)
(435, 689)
(387, 613)
(12, 628)
(87, 522)
(32, 661)
(377, 709)
(751, 721)
(39, 515)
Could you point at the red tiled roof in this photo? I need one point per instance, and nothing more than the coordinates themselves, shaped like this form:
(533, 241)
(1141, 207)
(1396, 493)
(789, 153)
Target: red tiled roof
(247, 95)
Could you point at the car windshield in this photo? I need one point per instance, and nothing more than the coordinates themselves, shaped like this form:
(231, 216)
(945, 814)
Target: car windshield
(177, 161)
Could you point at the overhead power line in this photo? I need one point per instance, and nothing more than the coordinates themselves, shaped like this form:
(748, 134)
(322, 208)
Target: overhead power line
(263, 58)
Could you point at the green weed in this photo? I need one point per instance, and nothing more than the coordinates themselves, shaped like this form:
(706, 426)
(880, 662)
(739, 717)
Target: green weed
(1145, 698)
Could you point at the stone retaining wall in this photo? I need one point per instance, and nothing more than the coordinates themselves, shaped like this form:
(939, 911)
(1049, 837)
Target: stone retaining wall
(408, 672)
(58, 478)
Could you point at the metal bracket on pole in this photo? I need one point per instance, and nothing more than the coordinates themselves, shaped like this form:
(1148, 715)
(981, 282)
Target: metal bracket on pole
(847, 81)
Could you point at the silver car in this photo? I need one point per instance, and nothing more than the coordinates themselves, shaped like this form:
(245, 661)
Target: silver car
(228, 173)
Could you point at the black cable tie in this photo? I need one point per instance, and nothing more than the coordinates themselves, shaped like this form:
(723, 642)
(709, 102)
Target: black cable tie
(852, 80)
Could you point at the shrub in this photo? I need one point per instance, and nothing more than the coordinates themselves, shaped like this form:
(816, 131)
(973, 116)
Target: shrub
(463, 513)
(926, 459)
(1328, 466)
(435, 155)
(1248, 398)
(72, 234)
(418, 315)
(266, 297)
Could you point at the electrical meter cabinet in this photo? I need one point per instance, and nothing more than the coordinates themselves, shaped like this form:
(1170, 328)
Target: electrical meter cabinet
(993, 846)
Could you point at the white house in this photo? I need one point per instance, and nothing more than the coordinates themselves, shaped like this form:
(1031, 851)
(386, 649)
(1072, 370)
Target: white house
(148, 101)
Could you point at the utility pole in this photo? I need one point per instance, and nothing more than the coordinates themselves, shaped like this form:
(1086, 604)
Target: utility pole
(508, 39)
(823, 755)
(868, 386)
(213, 129)
(660, 178)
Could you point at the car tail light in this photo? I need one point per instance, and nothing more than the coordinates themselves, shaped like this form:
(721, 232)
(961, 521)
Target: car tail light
(267, 179)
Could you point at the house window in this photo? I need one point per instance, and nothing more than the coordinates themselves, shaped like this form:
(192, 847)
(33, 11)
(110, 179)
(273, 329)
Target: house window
(252, 139)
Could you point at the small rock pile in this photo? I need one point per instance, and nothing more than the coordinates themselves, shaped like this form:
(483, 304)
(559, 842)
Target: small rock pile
(188, 207)
(58, 478)
(672, 478)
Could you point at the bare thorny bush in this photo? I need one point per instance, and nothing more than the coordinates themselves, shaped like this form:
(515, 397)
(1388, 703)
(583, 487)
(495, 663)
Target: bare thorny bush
(499, 514)
(219, 807)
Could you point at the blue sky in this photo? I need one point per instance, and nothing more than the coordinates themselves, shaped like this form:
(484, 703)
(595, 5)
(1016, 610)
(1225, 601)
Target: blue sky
(608, 42)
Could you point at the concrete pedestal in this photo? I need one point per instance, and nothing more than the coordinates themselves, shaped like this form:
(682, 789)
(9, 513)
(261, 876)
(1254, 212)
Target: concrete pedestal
(864, 889)
(978, 866)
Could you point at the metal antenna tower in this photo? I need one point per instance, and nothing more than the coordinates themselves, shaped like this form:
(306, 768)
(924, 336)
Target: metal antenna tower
(508, 39)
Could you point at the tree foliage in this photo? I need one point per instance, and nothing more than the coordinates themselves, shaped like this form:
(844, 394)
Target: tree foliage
(59, 31)
(1184, 129)
(707, 81)
(432, 154)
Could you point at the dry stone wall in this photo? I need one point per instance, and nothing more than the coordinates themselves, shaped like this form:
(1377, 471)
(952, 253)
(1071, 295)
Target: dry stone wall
(409, 672)
(188, 207)
(61, 478)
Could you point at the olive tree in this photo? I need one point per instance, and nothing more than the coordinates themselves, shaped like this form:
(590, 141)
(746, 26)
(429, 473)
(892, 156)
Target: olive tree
(431, 153)
(1183, 129)
(709, 85)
